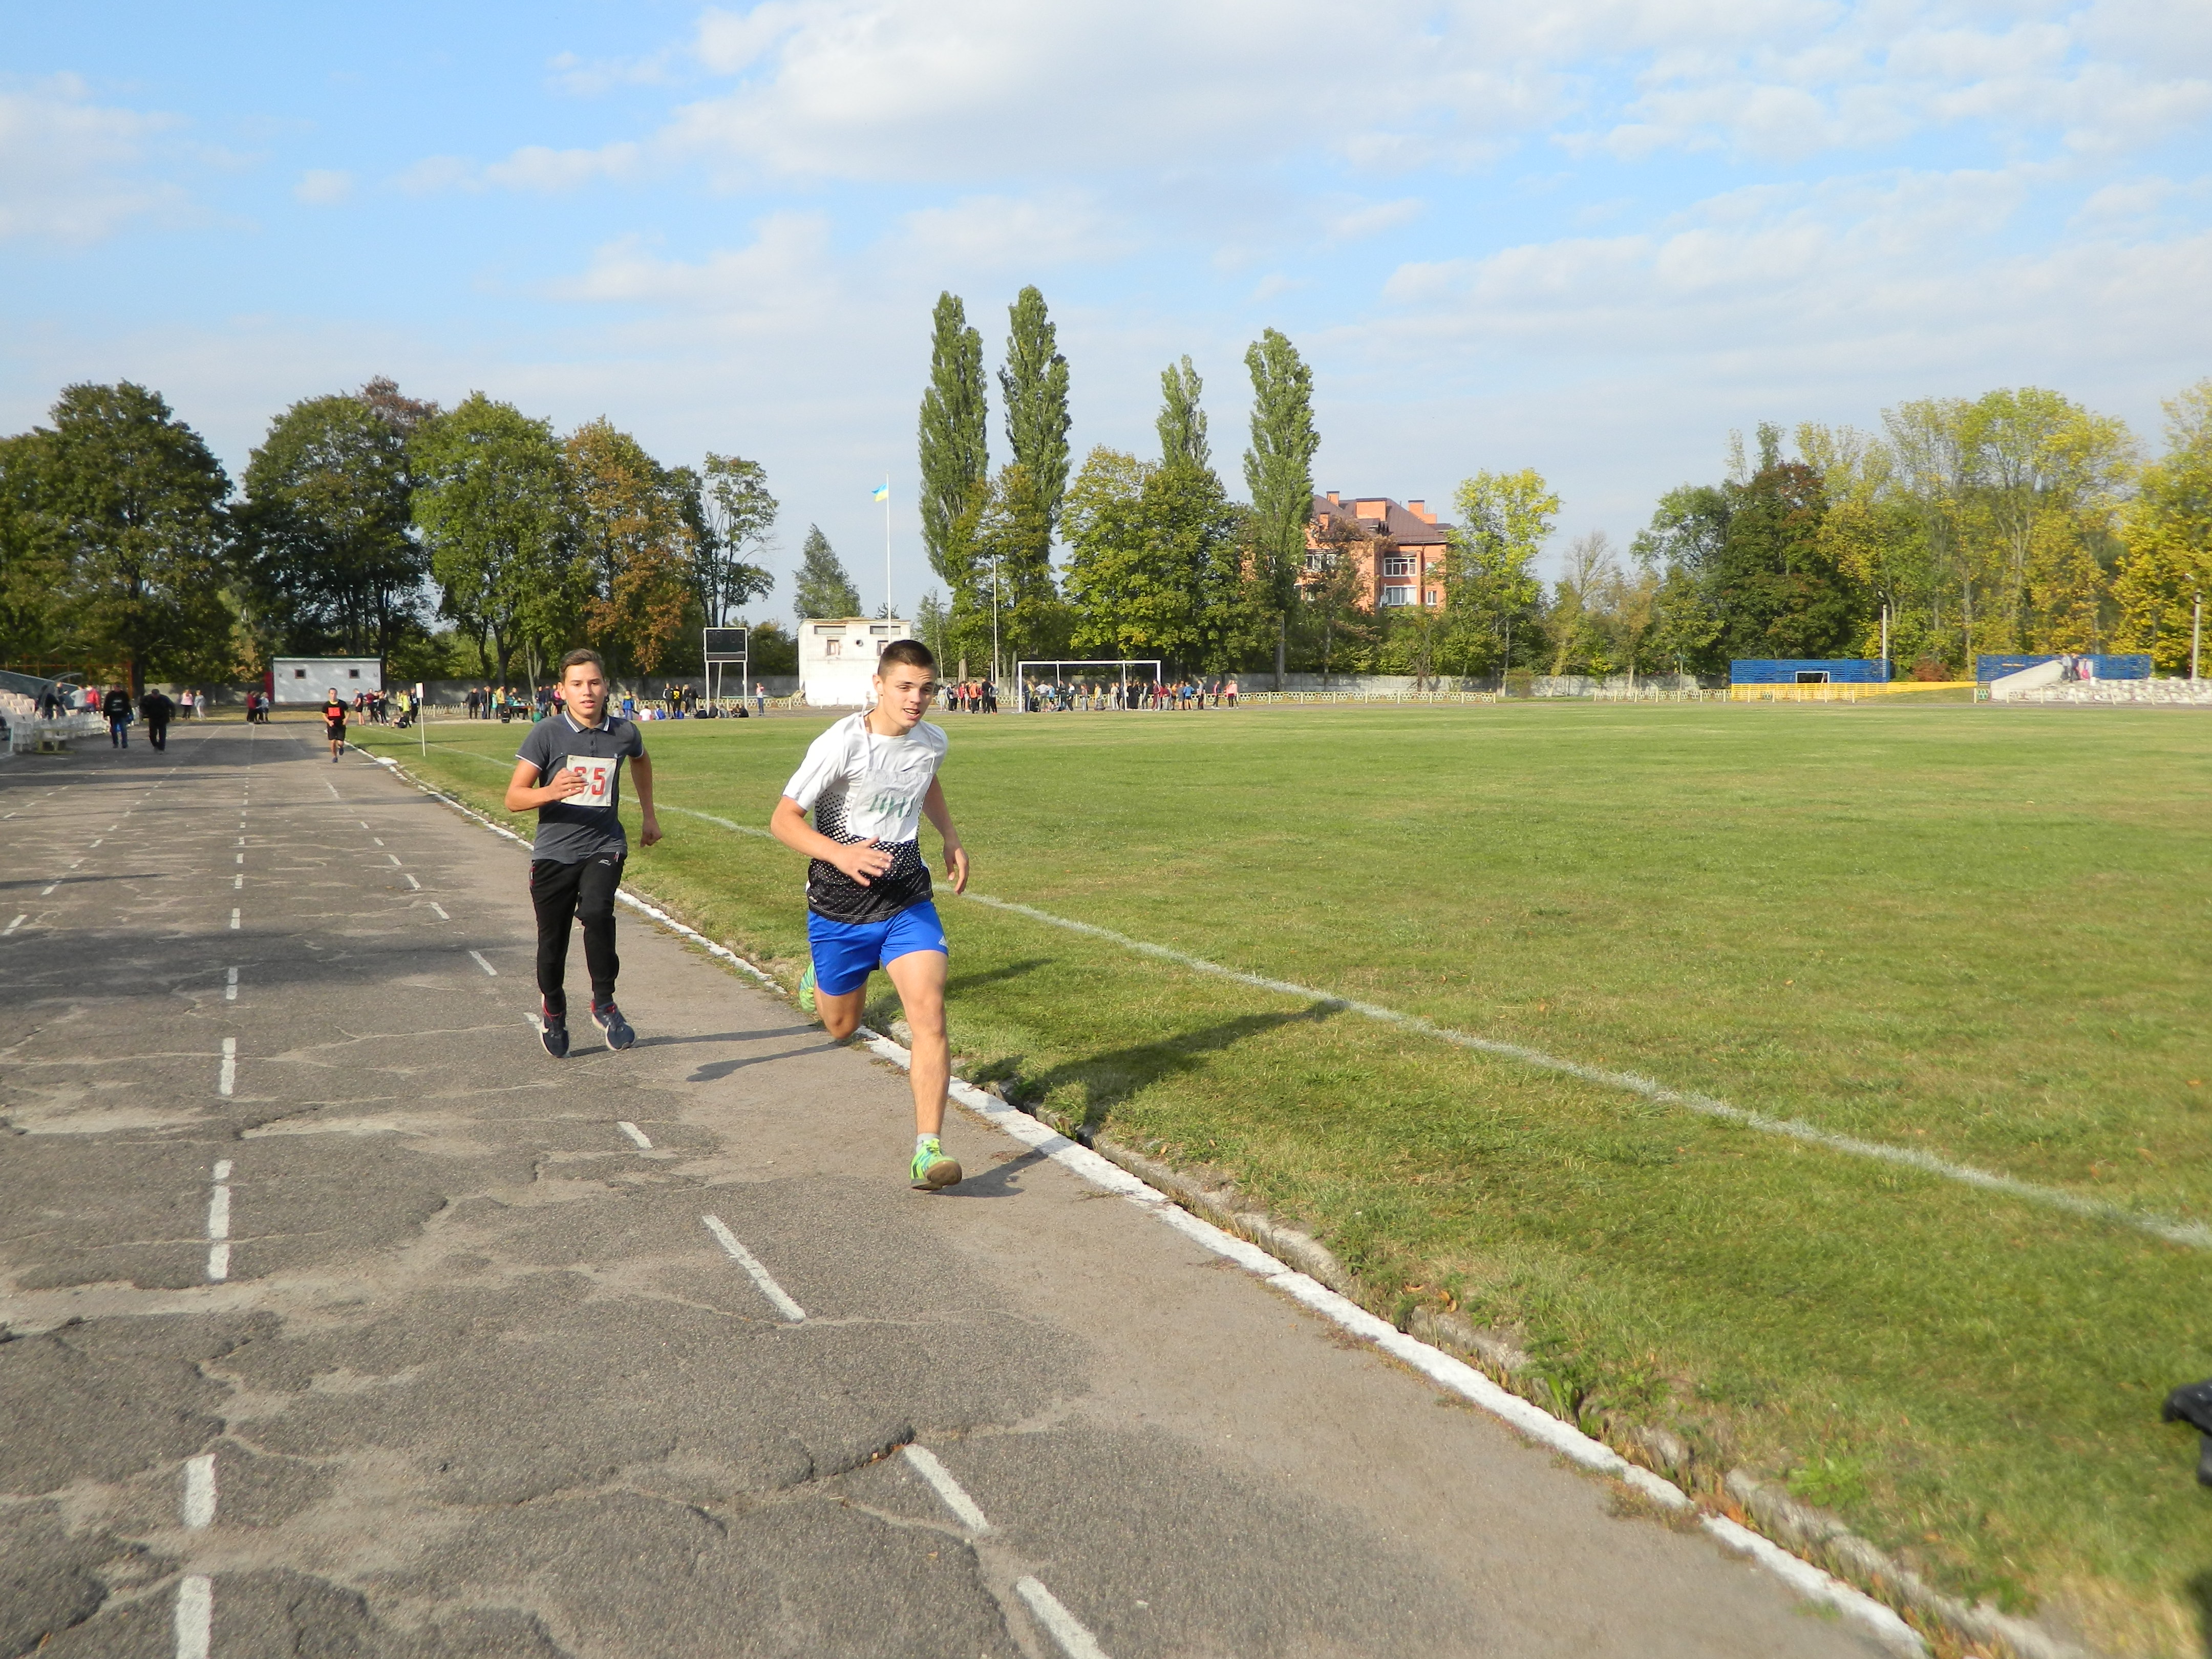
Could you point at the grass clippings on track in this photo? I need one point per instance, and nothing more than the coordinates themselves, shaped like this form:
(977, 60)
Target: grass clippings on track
(1977, 932)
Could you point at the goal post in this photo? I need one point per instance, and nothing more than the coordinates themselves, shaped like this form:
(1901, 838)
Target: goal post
(1043, 683)
(719, 647)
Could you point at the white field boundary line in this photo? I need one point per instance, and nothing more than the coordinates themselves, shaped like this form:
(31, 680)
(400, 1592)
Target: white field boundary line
(2194, 1234)
(1457, 1377)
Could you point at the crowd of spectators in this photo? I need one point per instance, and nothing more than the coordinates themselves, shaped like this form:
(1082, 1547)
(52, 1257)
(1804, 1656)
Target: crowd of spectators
(1174, 696)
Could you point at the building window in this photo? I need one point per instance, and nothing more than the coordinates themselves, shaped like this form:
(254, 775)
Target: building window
(1433, 595)
(833, 647)
(1397, 566)
(1316, 564)
(1397, 596)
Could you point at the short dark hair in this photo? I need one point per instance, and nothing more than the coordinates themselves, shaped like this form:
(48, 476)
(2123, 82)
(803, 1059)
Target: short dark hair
(913, 653)
(582, 655)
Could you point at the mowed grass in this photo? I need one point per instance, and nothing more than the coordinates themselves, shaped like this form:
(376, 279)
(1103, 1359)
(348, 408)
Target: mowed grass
(1980, 932)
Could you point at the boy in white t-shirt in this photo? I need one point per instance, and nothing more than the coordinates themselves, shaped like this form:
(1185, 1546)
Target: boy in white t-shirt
(869, 781)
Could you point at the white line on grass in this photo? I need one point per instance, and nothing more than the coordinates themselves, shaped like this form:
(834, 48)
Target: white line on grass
(482, 963)
(2194, 1233)
(634, 1133)
(199, 1490)
(964, 1507)
(1044, 1606)
(746, 1259)
(195, 1615)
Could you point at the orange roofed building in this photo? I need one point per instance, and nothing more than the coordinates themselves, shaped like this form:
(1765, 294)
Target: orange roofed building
(1400, 548)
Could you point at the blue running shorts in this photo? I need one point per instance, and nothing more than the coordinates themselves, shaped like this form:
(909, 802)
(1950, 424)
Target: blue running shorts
(846, 952)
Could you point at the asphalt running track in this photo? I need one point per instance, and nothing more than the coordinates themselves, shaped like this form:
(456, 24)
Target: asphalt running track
(337, 1318)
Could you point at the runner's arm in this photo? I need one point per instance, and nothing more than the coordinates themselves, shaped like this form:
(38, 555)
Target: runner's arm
(862, 860)
(640, 774)
(523, 794)
(956, 856)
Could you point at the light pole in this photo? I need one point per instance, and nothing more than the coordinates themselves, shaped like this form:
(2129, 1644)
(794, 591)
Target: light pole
(2195, 636)
(995, 558)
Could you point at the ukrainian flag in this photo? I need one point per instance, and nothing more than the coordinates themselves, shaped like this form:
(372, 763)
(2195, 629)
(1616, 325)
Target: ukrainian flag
(883, 491)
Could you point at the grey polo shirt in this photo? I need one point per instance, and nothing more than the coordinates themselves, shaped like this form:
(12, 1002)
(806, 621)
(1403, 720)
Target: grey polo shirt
(569, 832)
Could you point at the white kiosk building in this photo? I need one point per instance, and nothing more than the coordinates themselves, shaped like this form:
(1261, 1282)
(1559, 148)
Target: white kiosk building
(837, 658)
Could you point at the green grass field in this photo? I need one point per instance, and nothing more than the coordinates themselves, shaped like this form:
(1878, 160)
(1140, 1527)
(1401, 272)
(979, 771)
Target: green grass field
(1985, 932)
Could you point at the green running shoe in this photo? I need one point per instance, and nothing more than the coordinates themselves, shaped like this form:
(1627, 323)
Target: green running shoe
(807, 991)
(932, 1171)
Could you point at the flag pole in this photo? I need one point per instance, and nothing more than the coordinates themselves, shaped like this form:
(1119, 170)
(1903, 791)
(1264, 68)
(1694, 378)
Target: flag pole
(888, 607)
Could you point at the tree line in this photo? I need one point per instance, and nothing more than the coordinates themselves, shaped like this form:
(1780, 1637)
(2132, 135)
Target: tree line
(474, 542)
(2020, 521)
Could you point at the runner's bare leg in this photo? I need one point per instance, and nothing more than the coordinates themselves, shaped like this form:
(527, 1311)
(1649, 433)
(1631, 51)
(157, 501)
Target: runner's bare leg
(919, 978)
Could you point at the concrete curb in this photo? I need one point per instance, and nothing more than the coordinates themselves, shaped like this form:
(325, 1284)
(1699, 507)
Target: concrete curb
(1830, 1564)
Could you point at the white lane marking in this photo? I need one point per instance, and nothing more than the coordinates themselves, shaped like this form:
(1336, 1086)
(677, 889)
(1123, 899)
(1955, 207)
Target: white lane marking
(222, 1169)
(482, 963)
(394, 857)
(634, 1133)
(237, 884)
(746, 1259)
(954, 1495)
(14, 925)
(1044, 1606)
(233, 918)
(414, 885)
(230, 986)
(97, 842)
(363, 822)
(240, 858)
(379, 839)
(199, 1489)
(195, 1615)
(228, 1075)
(48, 887)
(333, 788)
(440, 909)
(2194, 1233)
(242, 839)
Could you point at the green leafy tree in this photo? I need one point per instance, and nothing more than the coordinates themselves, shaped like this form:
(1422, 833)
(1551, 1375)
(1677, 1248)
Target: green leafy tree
(634, 537)
(491, 503)
(1774, 583)
(773, 650)
(330, 560)
(35, 623)
(1279, 473)
(1492, 589)
(1034, 384)
(2167, 530)
(736, 515)
(130, 501)
(1152, 567)
(821, 585)
(1336, 588)
(1181, 423)
(955, 446)
(931, 624)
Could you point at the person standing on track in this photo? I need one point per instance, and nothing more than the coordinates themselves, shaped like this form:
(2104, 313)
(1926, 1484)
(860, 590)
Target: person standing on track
(334, 720)
(157, 710)
(869, 781)
(577, 862)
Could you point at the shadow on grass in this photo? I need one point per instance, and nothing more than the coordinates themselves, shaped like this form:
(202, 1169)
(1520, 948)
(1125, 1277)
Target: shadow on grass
(2199, 1592)
(1108, 1079)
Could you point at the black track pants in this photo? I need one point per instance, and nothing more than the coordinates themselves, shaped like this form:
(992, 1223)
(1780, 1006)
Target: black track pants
(585, 891)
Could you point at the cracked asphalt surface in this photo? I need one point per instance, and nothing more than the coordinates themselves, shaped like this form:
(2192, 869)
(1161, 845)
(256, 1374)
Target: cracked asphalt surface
(481, 1382)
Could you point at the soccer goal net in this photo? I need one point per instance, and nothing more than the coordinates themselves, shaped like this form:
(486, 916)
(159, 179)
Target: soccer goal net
(1089, 683)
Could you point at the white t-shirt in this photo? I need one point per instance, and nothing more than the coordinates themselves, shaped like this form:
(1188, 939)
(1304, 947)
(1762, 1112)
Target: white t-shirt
(861, 786)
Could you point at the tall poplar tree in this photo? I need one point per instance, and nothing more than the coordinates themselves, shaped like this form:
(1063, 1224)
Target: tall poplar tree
(1034, 384)
(955, 447)
(1279, 471)
(1181, 423)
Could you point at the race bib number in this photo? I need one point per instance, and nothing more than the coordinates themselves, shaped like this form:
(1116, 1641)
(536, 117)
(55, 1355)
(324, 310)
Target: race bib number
(599, 779)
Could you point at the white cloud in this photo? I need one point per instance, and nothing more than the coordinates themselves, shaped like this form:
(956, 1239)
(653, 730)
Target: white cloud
(322, 187)
(987, 234)
(537, 168)
(74, 171)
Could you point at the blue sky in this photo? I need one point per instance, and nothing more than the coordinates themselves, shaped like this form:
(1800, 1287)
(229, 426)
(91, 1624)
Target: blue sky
(1589, 237)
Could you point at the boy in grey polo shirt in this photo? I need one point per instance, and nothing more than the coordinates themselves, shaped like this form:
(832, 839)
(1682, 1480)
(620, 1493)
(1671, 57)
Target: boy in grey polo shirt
(577, 862)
